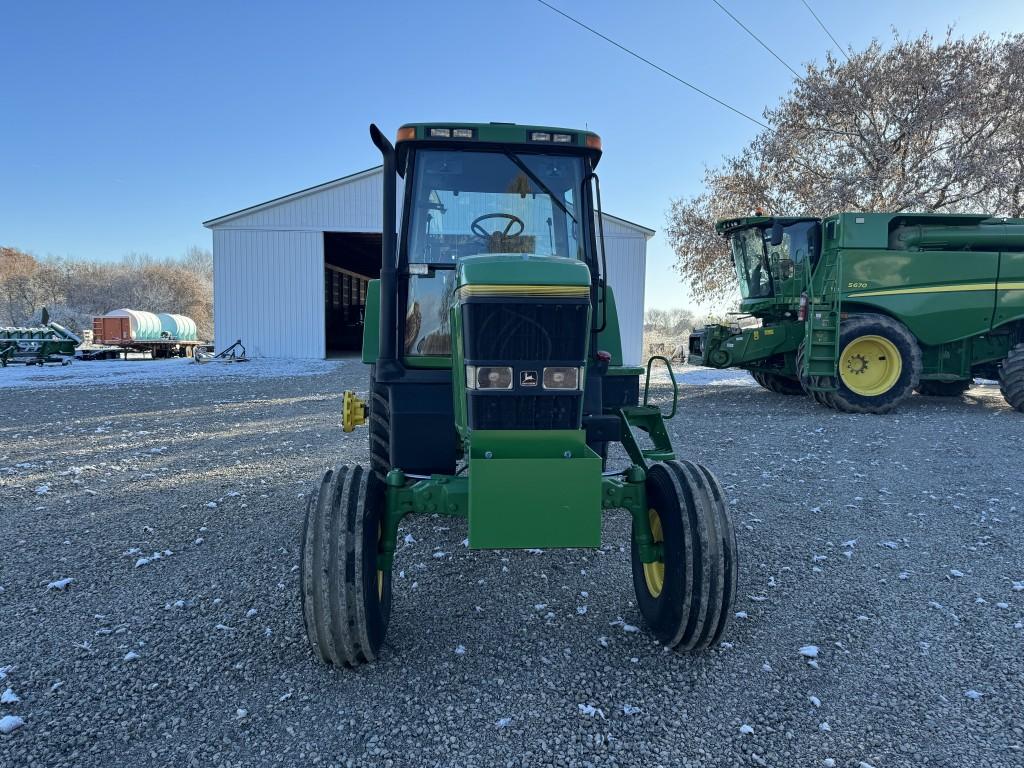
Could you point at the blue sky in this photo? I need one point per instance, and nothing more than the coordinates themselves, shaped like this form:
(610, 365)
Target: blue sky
(124, 125)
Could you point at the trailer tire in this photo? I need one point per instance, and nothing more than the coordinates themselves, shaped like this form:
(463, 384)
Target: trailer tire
(867, 346)
(1011, 378)
(929, 388)
(686, 599)
(379, 432)
(346, 600)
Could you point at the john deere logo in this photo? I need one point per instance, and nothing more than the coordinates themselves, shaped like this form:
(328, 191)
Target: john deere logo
(527, 378)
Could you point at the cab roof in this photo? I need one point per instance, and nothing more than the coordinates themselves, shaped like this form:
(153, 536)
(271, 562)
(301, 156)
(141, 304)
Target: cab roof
(726, 227)
(534, 136)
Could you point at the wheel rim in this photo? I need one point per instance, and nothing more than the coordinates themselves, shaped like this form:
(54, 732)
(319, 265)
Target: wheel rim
(870, 365)
(654, 573)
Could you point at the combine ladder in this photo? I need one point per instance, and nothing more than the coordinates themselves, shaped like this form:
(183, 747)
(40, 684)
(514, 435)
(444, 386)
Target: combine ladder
(821, 334)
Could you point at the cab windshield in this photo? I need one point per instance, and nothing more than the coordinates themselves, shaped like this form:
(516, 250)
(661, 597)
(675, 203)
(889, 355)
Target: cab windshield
(748, 254)
(468, 203)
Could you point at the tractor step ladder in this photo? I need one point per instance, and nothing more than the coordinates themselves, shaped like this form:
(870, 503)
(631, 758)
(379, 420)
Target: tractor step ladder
(821, 336)
(649, 419)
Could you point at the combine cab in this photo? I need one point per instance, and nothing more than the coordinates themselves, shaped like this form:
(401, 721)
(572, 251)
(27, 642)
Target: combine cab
(496, 389)
(860, 310)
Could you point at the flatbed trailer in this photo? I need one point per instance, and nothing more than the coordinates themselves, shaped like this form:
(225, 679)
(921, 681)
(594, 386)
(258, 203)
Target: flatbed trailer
(158, 349)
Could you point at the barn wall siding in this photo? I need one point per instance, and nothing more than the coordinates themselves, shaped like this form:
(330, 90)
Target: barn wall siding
(626, 250)
(268, 291)
(268, 268)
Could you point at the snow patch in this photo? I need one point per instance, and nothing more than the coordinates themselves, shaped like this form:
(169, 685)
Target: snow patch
(10, 723)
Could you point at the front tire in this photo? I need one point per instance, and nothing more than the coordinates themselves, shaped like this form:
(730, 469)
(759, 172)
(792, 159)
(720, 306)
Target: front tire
(778, 383)
(686, 598)
(879, 365)
(1011, 378)
(821, 398)
(346, 600)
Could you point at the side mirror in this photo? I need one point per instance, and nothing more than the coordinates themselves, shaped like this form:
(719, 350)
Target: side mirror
(776, 233)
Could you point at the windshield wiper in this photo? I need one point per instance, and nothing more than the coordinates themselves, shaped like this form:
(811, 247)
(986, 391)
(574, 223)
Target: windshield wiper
(544, 187)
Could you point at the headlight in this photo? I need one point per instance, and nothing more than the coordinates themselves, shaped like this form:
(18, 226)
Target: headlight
(562, 377)
(488, 377)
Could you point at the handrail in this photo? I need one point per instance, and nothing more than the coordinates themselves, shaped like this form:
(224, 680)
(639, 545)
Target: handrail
(672, 378)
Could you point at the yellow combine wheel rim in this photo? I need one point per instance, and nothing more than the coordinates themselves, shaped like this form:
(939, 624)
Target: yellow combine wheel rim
(870, 366)
(654, 573)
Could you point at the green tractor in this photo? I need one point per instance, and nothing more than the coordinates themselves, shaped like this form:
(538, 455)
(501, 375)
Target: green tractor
(860, 310)
(497, 387)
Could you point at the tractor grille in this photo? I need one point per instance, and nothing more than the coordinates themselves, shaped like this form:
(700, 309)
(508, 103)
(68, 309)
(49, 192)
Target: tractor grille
(527, 335)
(498, 331)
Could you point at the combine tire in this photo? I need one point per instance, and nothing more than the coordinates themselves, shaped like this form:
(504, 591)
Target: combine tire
(686, 599)
(821, 398)
(943, 388)
(778, 383)
(379, 428)
(346, 601)
(1011, 378)
(879, 365)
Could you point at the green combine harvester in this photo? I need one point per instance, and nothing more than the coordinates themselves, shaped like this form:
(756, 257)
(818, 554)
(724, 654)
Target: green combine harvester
(859, 310)
(39, 344)
(496, 388)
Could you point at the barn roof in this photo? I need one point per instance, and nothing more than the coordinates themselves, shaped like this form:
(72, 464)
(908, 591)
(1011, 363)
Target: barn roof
(376, 170)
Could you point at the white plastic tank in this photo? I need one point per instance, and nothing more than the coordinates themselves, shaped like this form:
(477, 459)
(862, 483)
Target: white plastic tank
(145, 326)
(178, 327)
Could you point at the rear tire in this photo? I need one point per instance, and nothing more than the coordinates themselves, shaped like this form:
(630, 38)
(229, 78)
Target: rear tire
(1011, 378)
(686, 599)
(346, 601)
(879, 365)
(379, 427)
(943, 388)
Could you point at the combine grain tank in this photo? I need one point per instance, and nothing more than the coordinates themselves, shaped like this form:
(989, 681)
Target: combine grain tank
(178, 326)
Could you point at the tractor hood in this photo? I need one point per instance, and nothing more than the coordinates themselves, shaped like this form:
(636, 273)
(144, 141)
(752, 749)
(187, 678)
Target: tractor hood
(523, 269)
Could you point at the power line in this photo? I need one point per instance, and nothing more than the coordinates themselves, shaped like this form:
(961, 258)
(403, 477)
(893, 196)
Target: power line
(636, 55)
(759, 40)
(822, 25)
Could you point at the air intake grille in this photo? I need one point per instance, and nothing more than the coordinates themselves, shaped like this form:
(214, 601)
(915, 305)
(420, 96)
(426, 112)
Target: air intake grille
(526, 335)
(500, 331)
(524, 411)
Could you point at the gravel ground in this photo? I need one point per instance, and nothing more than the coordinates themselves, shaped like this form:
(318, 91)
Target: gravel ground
(890, 543)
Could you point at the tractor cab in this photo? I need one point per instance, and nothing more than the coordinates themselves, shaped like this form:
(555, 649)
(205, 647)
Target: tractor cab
(773, 258)
(477, 192)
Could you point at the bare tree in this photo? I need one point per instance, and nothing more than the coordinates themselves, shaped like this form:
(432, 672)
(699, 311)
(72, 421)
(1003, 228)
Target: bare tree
(76, 291)
(915, 126)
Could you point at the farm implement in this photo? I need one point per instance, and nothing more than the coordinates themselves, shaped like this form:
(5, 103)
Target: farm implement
(36, 345)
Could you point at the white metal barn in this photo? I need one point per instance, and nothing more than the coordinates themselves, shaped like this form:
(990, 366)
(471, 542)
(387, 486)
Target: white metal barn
(290, 274)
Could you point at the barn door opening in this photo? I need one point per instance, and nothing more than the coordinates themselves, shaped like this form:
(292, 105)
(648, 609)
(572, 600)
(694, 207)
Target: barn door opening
(351, 260)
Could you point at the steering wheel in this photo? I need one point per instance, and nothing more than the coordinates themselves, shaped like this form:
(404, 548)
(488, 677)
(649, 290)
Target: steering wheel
(483, 234)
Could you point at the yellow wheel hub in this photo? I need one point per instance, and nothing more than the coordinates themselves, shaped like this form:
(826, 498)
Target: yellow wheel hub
(870, 366)
(654, 573)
